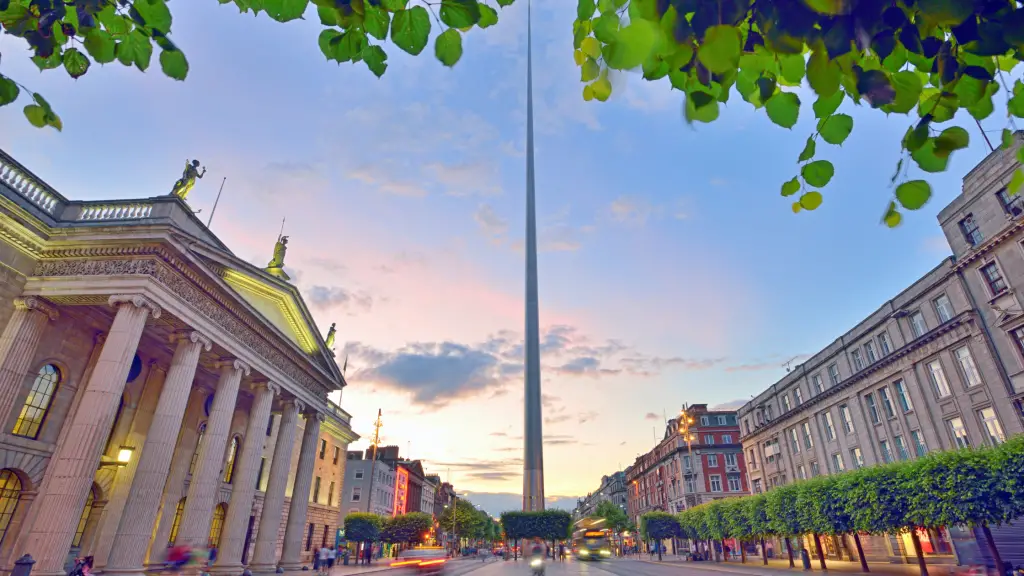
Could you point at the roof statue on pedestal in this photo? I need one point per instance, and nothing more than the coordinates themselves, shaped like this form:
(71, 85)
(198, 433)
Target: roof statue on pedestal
(188, 179)
(276, 265)
(329, 341)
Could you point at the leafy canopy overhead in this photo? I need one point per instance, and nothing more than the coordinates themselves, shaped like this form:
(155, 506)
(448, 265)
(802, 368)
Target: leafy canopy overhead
(927, 60)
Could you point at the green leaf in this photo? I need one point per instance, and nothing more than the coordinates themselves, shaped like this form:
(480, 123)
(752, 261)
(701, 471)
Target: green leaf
(100, 45)
(376, 22)
(504, 3)
(8, 90)
(488, 16)
(945, 12)
(460, 13)
(285, 10)
(818, 173)
(706, 113)
(329, 15)
(350, 46)
(328, 38)
(1015, 105)
(49, 63)
(808, 151)
(36, 115)
(951, 139)
(590, 70)
(591, 47)
(602, 89)
(376, 60)
(913, 194)
(1014, 187)
(791, 187)
(76, 63)
(783, 108)
(606, 27)
(721, 49)
(116, 24)
(394, 5)
(410, 29)
(792, 66)
(827, 105)
(822, 74)
(908, 91)
(836, 128)
(154, 13)
(810, 200)
(892, 217)
(1007, 139)
(585, 9)
(632, 45)
(135, 49)
(927, 159)
(174, 64)
(448, 47)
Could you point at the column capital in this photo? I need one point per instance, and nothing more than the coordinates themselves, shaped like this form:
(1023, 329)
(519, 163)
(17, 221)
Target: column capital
(300, 406)
(138, 300)
(37, 304)
(316, 414)
(273, 387)
(194, 336)
(234, 364)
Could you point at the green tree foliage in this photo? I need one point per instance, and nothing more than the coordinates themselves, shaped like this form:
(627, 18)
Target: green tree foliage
(411, 528)
(462, 519)
(659, 526)
(927, 60)
(615, 518)
(363, 527)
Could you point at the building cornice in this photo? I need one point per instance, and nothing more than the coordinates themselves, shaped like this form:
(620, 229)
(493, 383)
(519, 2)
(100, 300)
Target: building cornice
(981, 251)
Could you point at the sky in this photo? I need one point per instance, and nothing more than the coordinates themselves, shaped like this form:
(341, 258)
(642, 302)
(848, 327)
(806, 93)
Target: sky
(671, 270)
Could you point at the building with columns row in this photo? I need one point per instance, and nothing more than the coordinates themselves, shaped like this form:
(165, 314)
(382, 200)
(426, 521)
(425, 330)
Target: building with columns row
(940, 366)
(155, 389)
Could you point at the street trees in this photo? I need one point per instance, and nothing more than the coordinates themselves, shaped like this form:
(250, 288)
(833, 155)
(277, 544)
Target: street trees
(363, 527)
(462, 519)
(659, 526)
(514, 525)
(615, 518)
(411, 528)
(926, 61)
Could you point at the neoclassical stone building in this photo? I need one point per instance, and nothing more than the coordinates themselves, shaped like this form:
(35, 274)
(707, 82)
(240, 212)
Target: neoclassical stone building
(155, 389)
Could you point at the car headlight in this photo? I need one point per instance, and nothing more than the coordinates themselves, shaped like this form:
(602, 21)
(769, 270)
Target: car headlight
(584, 552)
(536, 562)
(606, 552)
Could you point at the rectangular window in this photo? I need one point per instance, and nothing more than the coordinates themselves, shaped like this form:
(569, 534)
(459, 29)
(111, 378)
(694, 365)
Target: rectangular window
(883, 343)
(847, 418)
(826, 423)
(704, 421)
(994, 278)
(968, 369)
(752, 460)
(716, 483)
(815, 471)
(956, 428)
(734, 485)
(359, 474)
(786, 406)
(858, 362)
(903, 396)
(901, 447)
(969, 228)
(323, 448)
(316, 491)
(722, 420)
(309, 538)
(768, 412)
(886, 450)
(709, 439)
(938, 378)
(794, 441)
(801, 472)
(856, 457)
(833, 373)
(757, 486)
(330, 495)
(799, 396)
(869, 352)
(712, 460)
(917, 324)
(808, 440)
(991, 425)
(270, 425)
(259, 475)
(918, 439)
(944, 308)
(337, 455)
(869, 399)
(1011, 204)
(837, 462)
(726, 438)
(691, 485)
(730, 459)
(883, 395)
(816, 385)
(686, 462)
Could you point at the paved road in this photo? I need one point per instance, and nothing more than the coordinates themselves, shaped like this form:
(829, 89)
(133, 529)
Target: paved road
(572, 568)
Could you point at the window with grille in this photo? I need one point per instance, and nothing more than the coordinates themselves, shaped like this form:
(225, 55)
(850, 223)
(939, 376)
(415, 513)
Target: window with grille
(969, 228)
(177, 522)
(195, 454)
(993, 278)
(229, 465)
(76, 542)
(217, 524)
(10, 494)
(37, 404)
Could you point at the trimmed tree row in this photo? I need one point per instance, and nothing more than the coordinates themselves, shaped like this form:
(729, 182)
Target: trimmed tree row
(548, 525)
(969, 487)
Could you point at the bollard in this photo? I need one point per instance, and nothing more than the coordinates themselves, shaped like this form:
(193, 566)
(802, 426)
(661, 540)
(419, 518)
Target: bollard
(23, 566)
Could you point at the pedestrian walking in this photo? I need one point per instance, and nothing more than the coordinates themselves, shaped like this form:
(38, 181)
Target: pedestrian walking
(332, 555)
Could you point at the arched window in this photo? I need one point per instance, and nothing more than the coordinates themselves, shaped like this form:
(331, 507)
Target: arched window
(229, 465)
(84, 518)
(10, 493)
(217, 524)
(195, 454)
(177, 522)
(38, 403)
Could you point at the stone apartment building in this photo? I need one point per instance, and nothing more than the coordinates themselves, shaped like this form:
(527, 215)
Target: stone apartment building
(612, 489)
(358, 494)
(940, 366)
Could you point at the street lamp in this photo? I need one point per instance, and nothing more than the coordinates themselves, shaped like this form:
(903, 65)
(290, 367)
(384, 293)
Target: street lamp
(123, 458)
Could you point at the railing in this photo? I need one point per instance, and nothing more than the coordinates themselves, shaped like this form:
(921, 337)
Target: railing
(109, 211)
(339, 412)
(26, 185)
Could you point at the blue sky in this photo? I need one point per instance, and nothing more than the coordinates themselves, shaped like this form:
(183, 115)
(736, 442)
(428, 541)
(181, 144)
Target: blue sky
(404, 202)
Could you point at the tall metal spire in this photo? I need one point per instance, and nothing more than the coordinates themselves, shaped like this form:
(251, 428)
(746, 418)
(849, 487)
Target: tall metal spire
(533, 436)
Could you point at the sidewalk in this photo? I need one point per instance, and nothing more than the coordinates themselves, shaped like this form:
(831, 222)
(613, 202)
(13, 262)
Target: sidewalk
(776, 567)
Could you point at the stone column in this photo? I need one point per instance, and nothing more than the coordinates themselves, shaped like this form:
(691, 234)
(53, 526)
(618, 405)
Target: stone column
(72, 467)
(202, 489)
(140, 509)
(264, 555)
(296, 528)
(229, 556)
(18, 346)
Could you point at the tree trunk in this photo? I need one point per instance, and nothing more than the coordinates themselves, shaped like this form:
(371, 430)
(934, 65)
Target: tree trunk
(917, 550)
(821, 553)
(515, 550)
(743, 552)
(658, 545)
(860, 553)
(789, 552)
(992, 548)
(725, 556)
(764, 553)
